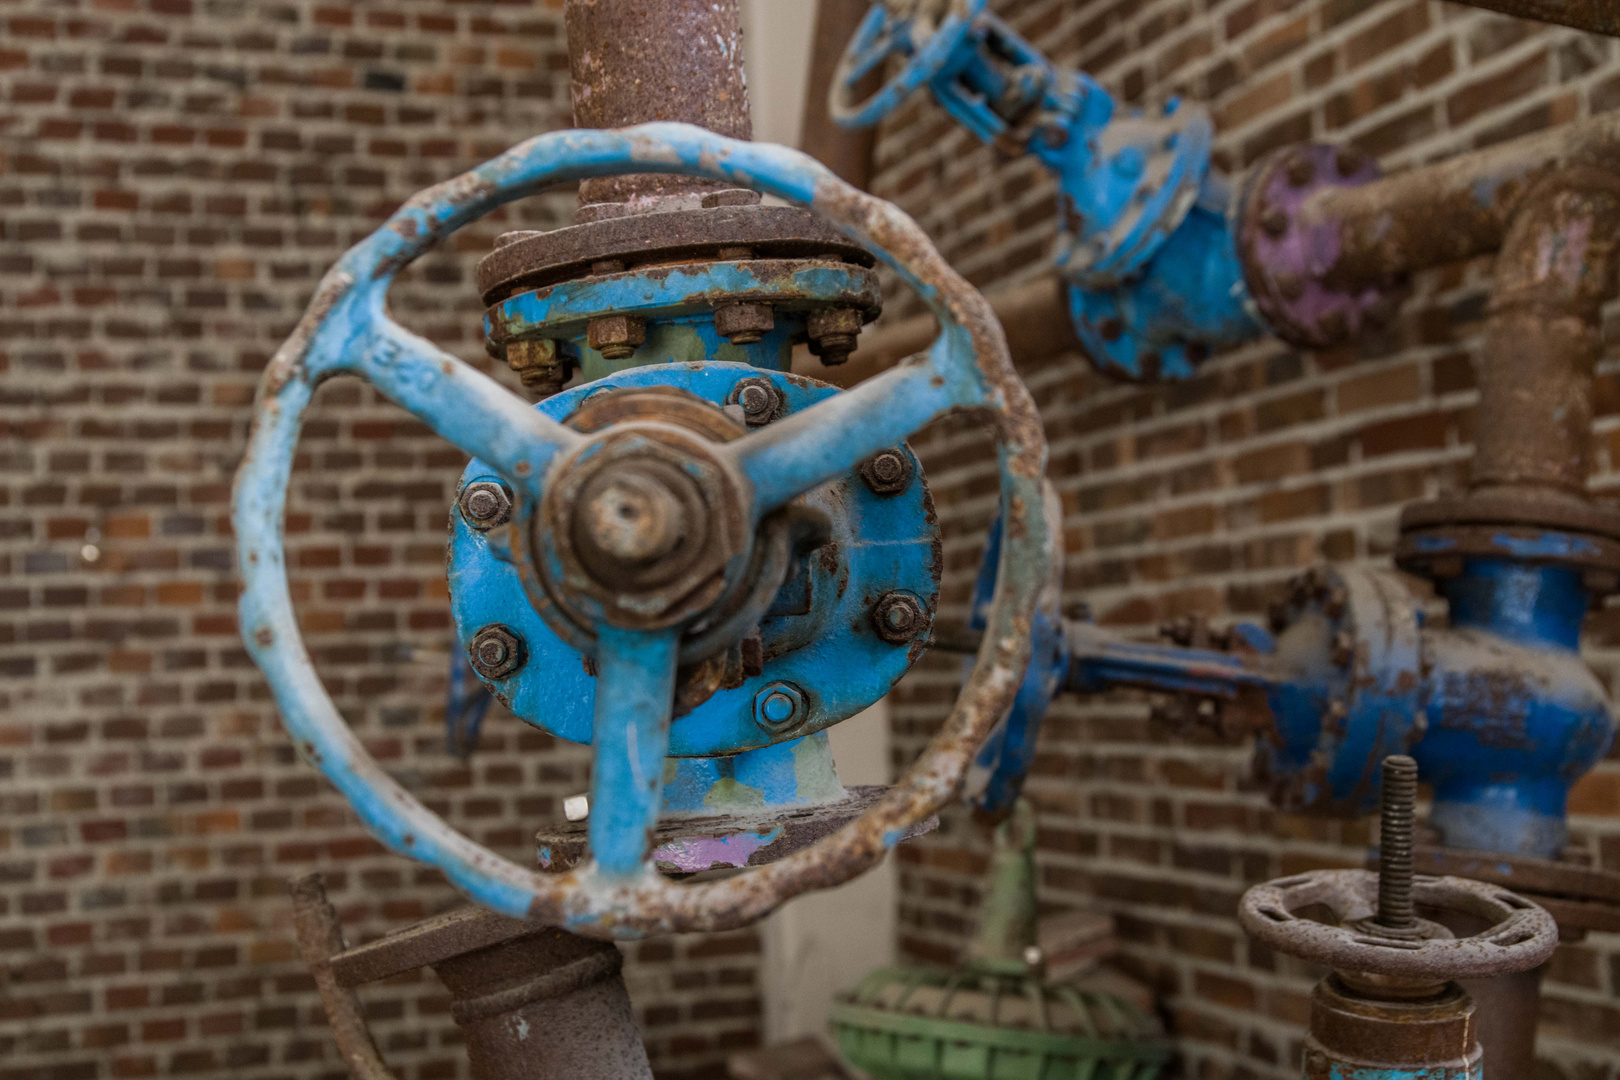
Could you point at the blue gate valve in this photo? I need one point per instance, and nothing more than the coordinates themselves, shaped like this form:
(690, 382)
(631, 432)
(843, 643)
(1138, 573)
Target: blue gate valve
(1164, 264)
(602, 511)
(1499, 710)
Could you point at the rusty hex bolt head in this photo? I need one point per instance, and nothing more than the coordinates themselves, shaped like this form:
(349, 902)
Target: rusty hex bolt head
(496, 652)
(743, 324)
(616, 336)
(833, 333)
(1301, 171)
(887, 472)
(485, 504)
(898, 617)
(1274, 221)
(761, 401)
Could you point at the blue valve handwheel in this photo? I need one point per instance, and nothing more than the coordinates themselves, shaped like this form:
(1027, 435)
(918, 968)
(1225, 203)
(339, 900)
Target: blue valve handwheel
(929, 41)
(347, 331)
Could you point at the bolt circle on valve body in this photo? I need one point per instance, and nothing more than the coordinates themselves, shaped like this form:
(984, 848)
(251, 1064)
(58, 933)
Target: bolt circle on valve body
(880, 544)
(485, 504)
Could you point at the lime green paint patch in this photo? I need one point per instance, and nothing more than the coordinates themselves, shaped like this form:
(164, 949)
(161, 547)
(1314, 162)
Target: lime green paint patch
(727, 793)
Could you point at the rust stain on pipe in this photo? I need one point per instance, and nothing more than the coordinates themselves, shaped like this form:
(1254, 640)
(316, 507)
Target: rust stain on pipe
(1035, 318)
(625, 72)
(1455, 209)
(1556, 268)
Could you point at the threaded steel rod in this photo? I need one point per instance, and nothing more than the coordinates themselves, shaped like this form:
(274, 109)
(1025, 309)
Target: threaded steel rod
(1397, 814)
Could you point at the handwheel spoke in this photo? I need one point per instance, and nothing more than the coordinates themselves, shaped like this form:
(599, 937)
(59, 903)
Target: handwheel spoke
(460, 403)
(635, 689)
(791, 456)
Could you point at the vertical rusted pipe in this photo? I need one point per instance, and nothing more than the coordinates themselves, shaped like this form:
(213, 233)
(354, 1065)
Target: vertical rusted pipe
(635, 61)
(1555, 270)
(846, 151)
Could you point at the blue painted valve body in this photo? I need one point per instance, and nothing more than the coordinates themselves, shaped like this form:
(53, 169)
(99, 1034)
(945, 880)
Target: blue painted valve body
(1155, 282)
(1497, 706)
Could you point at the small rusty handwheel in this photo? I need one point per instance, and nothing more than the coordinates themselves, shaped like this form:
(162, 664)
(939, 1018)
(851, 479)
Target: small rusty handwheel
(1520, 934)
(347, 331)
(926, 34)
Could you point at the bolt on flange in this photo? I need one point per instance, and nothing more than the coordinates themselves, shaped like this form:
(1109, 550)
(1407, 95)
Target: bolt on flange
(779, 705)
(833, 333)
(616, 336)
(485, 504)
(497, 652)
(898, 617)
(743, 324)
(761, 401)
(887, 472)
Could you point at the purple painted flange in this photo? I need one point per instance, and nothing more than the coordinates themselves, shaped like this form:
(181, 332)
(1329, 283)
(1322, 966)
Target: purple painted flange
(1285, 262)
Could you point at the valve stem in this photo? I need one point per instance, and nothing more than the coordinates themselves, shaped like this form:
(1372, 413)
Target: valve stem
(1396, 820)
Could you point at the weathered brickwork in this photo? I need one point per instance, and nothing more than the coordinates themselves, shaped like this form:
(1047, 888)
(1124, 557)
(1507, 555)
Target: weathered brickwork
(174, 176)
(1204, 497)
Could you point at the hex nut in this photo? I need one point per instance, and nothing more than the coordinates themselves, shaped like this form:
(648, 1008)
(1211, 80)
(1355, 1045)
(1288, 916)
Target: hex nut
(761, 401)
(537, 362)
(616, 336)
(898, 617)
(497, 652)
(743, 324)
(833, 333)
(778, 705)
(887, 472)
(485, 504)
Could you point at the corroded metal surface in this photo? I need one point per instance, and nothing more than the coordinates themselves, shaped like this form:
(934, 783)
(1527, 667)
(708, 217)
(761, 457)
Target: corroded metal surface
(1579, 898)
(1454, 209)
(320, 942)
(530, 260)
(1288, 261)
(1520, 935)
(625, 72)
(692, 844)
(1353, 1037)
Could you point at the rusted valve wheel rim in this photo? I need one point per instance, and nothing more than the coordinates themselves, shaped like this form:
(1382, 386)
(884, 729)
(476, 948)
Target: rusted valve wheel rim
(1521, 934)
(346, 330)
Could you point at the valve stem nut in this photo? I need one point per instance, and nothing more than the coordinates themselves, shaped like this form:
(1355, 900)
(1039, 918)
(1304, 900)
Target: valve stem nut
(778, 706)
(761, 401)
(898, 617)
(496, 652)
(833, 333)
(887, 472)
(743, 324)
(616, 336)
(485, 504)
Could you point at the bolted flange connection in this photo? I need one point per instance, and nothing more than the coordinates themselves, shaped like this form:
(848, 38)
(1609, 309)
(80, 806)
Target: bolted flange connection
(898, 617)
(485, 504)
(887, 472)
(779, 705)
(761, 401)
(497, 652)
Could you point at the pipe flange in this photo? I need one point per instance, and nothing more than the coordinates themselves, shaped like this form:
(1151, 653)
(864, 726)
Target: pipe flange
(1286, 260)
(1543, 530)
(531, 260)
(1520, 935)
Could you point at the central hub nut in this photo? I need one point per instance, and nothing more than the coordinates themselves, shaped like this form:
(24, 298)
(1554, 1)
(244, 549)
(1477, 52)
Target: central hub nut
(629, 518)
(638, 524)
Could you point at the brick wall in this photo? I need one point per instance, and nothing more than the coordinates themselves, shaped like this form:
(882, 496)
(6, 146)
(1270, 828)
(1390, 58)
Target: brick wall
(174, 176)
(1205, 496)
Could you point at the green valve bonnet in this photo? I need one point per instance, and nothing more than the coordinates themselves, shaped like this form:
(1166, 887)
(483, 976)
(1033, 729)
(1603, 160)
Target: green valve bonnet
(996, 1018)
